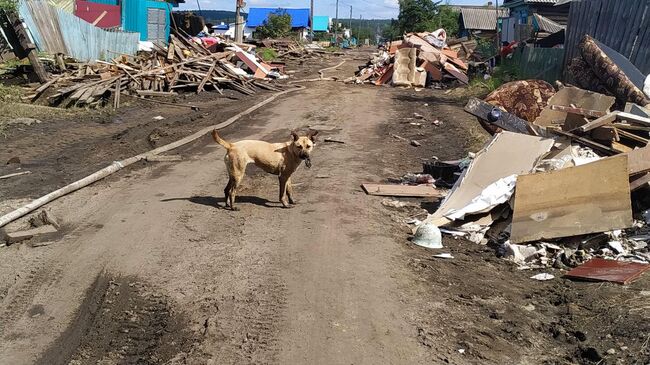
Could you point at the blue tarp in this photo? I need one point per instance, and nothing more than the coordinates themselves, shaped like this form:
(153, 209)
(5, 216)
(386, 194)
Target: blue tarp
(258, 16)
(321, 23)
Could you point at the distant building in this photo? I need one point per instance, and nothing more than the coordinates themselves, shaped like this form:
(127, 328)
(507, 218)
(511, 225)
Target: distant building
(535, 19)
(480, 21)
(299, 18)
(322, 23)
(150, 18)
(228, 31)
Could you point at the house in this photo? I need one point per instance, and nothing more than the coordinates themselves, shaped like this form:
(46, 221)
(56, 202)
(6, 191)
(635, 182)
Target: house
(536, 19)
(228, 31)
(150, 18)
(299, 18)
(322, 23)
(480, 21)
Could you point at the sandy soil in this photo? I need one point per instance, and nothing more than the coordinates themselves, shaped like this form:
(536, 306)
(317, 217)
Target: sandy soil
(150, 268)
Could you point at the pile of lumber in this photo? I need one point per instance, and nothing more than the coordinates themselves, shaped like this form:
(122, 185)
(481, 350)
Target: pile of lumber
(183, 65)
(419, 60)
(291, 49)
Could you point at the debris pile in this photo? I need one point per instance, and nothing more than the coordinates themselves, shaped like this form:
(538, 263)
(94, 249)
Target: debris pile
(184, 65)
(559, 183)
(420, 59)
(291, 49)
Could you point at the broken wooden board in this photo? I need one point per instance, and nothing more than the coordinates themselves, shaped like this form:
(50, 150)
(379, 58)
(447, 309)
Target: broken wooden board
(638, 161)
(575, 98)
(507, 122)
(579, 111)
(432, 70)
(591, 198)
(420, 191)
(388, 75)
(585, 141)
(451, 69)
(15, 237)
(600, 122)
(598, 269)
(634, 118)
(640, 181)
(507, 154)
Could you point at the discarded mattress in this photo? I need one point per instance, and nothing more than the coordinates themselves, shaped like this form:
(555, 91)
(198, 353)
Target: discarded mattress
(585, 77)
(618, 74)
(525, 98)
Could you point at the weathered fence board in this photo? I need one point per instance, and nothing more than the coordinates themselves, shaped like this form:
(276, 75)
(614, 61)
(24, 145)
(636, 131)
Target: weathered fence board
(539, 63)
(622, 25)
(56, 31)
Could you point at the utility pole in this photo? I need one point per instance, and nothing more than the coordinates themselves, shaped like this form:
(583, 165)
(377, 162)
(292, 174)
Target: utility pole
(336, 24)
(350, 21)
(311, 20)
(239, 31)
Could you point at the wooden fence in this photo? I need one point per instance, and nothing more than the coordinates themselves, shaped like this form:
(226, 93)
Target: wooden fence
(56, 31)
(623, 25)
(538, 63)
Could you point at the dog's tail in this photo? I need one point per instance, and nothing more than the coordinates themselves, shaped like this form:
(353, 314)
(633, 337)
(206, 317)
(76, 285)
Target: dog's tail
(220, 140)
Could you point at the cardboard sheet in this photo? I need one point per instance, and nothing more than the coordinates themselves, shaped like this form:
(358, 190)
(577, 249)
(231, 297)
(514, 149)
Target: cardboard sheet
(507, 154)
(578, 200)
(579, 98)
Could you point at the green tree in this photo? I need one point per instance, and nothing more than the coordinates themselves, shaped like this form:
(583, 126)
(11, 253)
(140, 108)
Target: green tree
(8, 4)
(447, 19)
(278, 25)
(417, 15)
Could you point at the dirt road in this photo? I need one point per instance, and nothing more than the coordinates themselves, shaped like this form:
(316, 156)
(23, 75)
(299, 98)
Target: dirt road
(150, 269)
(313, 284)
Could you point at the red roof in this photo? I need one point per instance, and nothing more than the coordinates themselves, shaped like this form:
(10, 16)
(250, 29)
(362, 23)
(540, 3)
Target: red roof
(109, 15)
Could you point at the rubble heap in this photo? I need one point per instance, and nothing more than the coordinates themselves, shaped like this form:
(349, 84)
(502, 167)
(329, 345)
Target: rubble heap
(417, 60)
(557, 188)
(184, 65)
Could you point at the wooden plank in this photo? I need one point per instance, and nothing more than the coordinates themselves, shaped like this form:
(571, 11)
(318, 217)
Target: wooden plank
(155, 93)
(578, 200)
(579, 111)
(421, 191)
(642, 181)
(634, 118)
(585, 141)
(602, 121)
(118, 91)
(621, 148)
(508, 122)
(638, 161)
(630, 127)
(633, 137)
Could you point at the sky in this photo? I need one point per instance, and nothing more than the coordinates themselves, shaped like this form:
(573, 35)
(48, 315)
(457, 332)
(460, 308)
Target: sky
(369, 9)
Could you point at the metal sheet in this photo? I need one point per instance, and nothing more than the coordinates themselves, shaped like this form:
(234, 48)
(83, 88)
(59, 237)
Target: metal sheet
(608, 270)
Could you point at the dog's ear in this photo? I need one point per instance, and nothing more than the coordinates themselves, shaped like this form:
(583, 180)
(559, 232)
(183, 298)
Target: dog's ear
(312, 134)
(294, 135)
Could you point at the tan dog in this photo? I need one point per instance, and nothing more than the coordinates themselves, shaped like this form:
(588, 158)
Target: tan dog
(280, 159)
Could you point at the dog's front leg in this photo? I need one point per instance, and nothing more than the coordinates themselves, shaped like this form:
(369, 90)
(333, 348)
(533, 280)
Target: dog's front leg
(290, 192)
(283, 191)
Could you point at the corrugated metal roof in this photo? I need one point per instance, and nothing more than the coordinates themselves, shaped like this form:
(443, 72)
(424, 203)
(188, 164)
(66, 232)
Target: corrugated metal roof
(258, 16)
(545, 24)
(481, 17)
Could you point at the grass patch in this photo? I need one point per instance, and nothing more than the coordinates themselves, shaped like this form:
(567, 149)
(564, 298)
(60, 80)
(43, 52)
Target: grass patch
(501, 75)
(10, 93)
(267, 54)
(333, 49)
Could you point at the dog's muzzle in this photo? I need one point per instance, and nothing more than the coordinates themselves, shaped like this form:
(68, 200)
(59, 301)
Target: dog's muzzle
(307, 160)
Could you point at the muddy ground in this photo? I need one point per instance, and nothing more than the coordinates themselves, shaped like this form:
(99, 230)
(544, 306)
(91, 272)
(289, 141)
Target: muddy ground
(149, 268)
